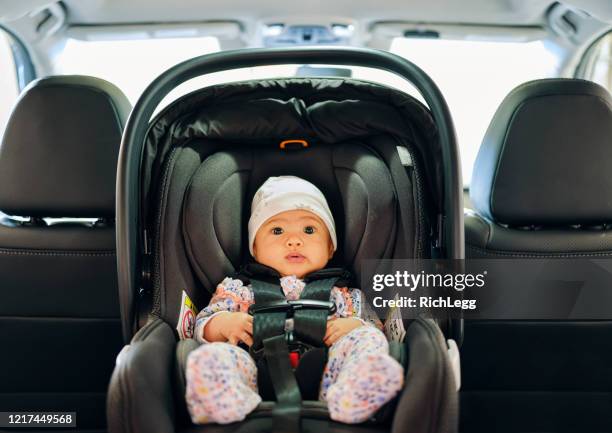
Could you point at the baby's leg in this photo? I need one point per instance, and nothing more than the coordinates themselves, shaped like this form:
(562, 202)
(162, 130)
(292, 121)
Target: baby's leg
(360, 375)
(221, 384)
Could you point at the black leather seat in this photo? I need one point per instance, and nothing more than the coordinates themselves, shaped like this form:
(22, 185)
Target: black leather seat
(541, 188)
(59, 313)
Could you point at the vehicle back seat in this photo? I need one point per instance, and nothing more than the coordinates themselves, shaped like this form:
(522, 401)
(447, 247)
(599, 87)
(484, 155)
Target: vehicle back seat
(59, 314)
(541, 188)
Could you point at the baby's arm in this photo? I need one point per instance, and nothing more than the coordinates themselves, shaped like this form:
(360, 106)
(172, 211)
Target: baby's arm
(232, 327)
(231, 296)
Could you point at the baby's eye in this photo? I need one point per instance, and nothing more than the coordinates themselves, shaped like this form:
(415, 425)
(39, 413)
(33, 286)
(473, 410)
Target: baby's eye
(309, 230)
(277, 231)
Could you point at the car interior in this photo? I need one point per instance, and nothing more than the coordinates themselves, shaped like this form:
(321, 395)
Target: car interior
(134, 135)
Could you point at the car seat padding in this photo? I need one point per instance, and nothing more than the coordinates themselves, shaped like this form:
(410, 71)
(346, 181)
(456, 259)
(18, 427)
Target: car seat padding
(60, 148)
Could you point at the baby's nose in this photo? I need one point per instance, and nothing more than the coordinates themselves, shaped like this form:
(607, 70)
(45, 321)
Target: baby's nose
(294, 241)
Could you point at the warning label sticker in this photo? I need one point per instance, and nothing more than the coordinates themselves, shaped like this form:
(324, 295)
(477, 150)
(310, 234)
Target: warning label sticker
(187, 318)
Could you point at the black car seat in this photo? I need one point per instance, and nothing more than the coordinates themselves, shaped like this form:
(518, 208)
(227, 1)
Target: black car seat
(60, 328)
(541, 188)
(205, 155)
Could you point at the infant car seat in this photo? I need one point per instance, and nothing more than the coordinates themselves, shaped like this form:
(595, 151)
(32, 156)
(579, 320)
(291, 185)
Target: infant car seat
(387, 167)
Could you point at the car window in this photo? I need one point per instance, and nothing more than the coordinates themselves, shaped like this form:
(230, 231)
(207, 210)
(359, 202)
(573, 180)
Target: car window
(129, 64)
(474, 77)
(596, 64)
(8, 79)
(142, 60)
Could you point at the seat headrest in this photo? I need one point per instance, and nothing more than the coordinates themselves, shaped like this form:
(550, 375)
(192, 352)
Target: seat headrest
(356, 183)
(546, 156)
(59, 151)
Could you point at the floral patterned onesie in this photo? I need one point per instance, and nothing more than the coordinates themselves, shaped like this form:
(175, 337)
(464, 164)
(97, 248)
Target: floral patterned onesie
(359, 377)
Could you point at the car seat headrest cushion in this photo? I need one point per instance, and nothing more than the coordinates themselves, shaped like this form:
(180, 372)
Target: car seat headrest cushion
(216, 206)
(546, 156)
(59, 152)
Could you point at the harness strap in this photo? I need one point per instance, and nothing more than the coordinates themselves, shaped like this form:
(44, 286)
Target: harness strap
(310, 325)
(286, 413)
(268, 324)
(269, 331)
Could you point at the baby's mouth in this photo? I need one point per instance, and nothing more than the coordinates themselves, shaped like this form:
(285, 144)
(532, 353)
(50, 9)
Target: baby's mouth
(295, 258)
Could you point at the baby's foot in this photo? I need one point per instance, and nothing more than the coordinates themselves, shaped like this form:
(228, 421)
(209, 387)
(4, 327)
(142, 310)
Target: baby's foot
(363, 387)
(220, 389)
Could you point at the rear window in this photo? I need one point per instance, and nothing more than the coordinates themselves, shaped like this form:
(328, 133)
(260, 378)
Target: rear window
(129, 64)
(596, 64)
(474, 76)
(8, 79)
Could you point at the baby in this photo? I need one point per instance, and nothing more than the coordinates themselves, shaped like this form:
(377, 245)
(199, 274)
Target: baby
(292, 231)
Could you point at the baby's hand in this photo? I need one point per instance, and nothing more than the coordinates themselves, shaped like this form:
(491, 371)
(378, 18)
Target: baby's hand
(337, 328)
(230, 327)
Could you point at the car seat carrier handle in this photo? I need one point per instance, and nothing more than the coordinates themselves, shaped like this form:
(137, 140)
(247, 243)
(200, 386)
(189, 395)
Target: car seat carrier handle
(130, 214)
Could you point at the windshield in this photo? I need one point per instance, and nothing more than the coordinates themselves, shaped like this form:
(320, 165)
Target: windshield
(474, 76)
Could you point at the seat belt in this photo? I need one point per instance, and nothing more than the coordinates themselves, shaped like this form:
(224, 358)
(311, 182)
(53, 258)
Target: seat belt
(310, 325)
(270, 311)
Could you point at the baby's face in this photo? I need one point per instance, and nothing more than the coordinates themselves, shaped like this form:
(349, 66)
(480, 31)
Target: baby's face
(294, 242)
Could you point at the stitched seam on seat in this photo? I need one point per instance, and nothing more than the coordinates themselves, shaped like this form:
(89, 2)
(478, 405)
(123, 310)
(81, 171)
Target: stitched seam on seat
(414, 181)
(419, 202)
(55, 253)
(536, 254)
(160, 233)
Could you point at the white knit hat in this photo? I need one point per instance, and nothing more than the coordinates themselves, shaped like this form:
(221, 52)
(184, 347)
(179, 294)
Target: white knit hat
(284, 193)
